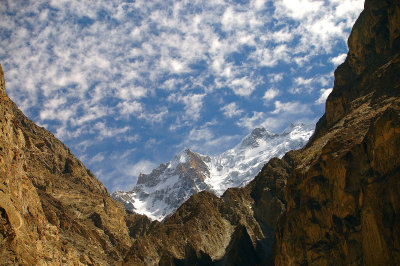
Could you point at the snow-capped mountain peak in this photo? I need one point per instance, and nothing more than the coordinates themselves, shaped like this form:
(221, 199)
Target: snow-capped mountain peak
(253, 139)
(163, 190)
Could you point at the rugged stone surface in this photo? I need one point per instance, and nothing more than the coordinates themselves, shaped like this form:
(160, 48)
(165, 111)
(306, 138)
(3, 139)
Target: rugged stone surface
(239, 226)
(343, 200)
(161, 192)
(53, 211)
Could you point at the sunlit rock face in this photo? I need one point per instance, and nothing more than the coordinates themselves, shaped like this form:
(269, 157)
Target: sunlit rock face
(53, 211)
(161, 192)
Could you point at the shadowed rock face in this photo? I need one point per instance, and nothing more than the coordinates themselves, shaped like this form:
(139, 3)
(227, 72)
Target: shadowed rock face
(238, 227)
(52, 209)
(343, 199)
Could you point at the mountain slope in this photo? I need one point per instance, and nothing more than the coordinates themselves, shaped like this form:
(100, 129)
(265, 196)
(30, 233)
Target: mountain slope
(52, 209)
(161, 192)
(343, 200)
(238, 166)
(341, 204)
(206, 229)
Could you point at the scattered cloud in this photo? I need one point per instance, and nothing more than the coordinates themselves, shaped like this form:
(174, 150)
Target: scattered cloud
(270, 94)
(193, 104)
(290, 107)
(242, 86)
(324, 95)
(252, 121)
(141, 167)
(103, 131)
(204, 141)
(338, 59)
(231, 110)
(274, 78)
(131, 69)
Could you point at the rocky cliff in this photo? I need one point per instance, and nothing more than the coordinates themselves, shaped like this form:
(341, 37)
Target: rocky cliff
(236, 229)
(53, 211)
(343, 198)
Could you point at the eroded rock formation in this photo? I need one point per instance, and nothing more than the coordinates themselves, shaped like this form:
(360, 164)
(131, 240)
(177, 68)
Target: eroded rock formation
(52, 209)
(343, 199)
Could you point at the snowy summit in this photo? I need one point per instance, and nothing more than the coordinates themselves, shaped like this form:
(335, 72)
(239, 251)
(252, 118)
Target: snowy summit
(161, 192)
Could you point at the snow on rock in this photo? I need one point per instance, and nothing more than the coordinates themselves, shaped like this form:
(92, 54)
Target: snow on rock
(161, 192)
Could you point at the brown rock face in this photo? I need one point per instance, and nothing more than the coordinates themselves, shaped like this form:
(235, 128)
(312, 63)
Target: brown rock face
(374, 40)
(2, 83)
(343, 198)
(52, 209)
(236, 229)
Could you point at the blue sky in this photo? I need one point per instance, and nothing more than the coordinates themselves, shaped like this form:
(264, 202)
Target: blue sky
(128, 84)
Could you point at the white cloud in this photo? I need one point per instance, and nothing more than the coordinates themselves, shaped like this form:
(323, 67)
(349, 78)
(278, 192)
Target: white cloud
(203, 140)
(242, 86)
(252, 121)
(274, 78)
(324, 95)
(231, 110)
(299, 9)
(130, 108)
(283, 35)
(338, 59)
(270, 94)
(290, 107)
(193, 104)
(131, 93)
(134, 60)
(202, 134)
(97, 158)
(156, 117)
(107, 132)
(141, 167)
(302, 81)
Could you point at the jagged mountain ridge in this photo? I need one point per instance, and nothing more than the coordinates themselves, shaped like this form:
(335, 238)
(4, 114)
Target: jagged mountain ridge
(334, 202)
(53, 210)
(161, 192)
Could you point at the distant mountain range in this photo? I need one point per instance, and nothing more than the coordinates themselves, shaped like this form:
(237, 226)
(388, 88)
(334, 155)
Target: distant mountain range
(161, 192)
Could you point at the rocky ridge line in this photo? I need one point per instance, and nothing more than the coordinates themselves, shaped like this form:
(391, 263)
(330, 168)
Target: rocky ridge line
(161, 192)
(52, 209)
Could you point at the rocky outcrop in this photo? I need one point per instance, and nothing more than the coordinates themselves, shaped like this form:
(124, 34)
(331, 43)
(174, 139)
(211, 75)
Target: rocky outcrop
(343, 198)
(52, 209)
(237, 227)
